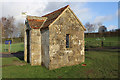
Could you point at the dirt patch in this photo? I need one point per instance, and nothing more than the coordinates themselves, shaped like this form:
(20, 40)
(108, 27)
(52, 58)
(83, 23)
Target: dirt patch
(5, 53)
(114, 72)
(59, 76)
(15, 62)
(87, 72)
(6, 65)
(89, 58)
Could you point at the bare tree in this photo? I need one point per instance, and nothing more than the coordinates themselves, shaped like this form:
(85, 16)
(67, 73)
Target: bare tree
(20, 29)
(1, 29)
(8, 26)
(90, 27)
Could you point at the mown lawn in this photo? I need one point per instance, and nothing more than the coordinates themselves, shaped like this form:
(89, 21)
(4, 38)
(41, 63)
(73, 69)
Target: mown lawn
(94, 42)
(107, 42)
(100, 64)
(14, 47)
(105, 39)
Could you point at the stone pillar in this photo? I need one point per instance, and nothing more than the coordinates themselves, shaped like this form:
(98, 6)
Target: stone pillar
(35, 44)
(83, 49)
(25, 45)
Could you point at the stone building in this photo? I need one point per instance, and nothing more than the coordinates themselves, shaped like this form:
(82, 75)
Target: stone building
(54, 40)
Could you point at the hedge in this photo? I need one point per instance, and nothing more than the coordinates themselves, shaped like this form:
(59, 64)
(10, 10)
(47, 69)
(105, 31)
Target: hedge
(14, 40)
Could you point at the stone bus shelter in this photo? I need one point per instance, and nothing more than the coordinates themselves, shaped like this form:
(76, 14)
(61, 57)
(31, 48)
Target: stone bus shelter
(54, 40)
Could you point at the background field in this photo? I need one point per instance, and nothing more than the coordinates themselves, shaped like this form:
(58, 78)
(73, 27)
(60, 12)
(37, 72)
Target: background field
(89, 43)
(14, 47)
(107, 42)
(105, 39)
(100, 64)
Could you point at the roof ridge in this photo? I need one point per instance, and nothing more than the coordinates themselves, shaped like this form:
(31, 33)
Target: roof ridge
(55, 11)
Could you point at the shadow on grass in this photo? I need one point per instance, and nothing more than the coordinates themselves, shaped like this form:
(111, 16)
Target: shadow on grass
(19, 54)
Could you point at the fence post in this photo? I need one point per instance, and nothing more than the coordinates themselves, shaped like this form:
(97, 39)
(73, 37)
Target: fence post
(86, 44)
(101, 43)
(21, 39)
(109, 43)
(9, 46)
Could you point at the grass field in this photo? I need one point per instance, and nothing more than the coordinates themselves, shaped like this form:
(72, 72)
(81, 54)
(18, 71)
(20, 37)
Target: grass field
(105, 39)
(14, 47)
(100, 64)
(107, 42)
(90, 42)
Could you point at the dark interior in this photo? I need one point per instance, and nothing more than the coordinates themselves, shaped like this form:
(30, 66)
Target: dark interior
(28, 46)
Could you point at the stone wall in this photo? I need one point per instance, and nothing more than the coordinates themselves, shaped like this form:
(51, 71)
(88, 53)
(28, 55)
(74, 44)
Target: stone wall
(48, 46)
(35, 46)
(25, 45)
(45, 47)
(59, 54)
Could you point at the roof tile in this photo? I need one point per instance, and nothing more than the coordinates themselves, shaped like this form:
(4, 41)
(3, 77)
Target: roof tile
(52, 16)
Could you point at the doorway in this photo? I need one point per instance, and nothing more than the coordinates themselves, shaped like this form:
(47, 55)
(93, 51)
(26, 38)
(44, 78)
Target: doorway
(28, 45)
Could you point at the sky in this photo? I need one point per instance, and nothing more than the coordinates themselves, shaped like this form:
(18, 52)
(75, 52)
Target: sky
(93, 12)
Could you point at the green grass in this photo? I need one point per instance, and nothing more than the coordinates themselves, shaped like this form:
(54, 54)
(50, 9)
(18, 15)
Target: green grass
(0, 47)
(14, 47)
(100, 64)
(107, 42)
(105, 39)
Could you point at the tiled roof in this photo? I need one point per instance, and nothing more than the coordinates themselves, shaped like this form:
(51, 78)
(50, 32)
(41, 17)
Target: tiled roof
(52, 16)
(46, 20)
(35, 22)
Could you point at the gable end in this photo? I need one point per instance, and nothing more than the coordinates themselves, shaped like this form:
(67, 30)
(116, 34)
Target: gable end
(72, 13)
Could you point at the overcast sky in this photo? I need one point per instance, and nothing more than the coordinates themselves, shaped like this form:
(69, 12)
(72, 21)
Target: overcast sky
(94, 12)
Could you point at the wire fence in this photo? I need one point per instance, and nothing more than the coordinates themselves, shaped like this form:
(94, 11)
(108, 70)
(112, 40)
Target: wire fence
(94, 44)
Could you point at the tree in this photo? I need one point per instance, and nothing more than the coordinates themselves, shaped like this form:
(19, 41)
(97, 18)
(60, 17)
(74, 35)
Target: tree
(1, 28)
(21, 29)
(102, 29)
(8, 26)
(90, 27)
